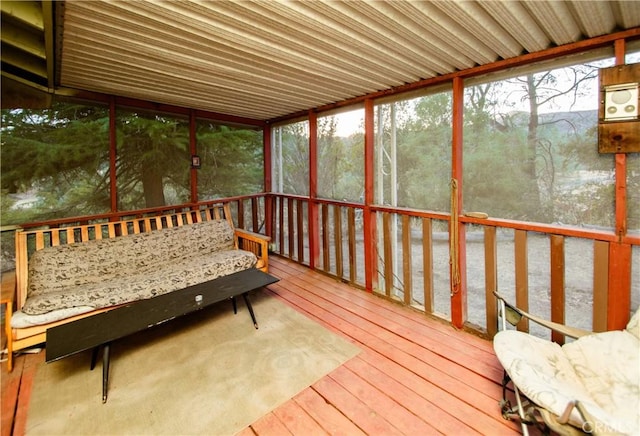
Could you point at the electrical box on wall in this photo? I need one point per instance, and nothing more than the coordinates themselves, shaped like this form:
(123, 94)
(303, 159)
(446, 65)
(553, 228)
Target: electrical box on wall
(618, 121)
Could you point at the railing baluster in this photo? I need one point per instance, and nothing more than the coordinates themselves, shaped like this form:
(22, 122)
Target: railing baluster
(600, 285)
(254, 215)
(281, 224)
(388, 254)
(337, 235)
(522, 275)
(240, 214)
(557, 283)
(325, 237)
(351, 226)
(427, 264)
(291, 233)
(407, 273)
(491, 278)
(300, 230)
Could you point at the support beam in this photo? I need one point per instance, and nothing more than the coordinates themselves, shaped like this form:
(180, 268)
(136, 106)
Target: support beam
(458, 258)
(314, 238)
(368, 218)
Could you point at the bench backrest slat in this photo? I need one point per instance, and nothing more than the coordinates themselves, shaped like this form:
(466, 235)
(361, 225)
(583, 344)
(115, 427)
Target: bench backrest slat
(70, 235)
(55, 239)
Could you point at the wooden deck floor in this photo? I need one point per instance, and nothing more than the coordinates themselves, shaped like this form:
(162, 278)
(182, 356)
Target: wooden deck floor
(414, 376)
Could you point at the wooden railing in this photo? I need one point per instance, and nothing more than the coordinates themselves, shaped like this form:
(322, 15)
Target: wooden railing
(561, 273)
(566, 274)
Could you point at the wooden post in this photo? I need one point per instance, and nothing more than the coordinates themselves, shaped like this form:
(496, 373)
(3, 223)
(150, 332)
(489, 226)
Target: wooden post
(268, 188)
(113, 154)
(368, 217)
(458, 281)
(314, 239)
(619, 298)
(193, 150)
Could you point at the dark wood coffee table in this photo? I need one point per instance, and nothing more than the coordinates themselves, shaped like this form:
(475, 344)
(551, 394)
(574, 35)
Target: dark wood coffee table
(101, 329)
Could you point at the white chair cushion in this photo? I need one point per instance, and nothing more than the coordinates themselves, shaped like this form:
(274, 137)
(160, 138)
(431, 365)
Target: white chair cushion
(541, 371)
(608, 365)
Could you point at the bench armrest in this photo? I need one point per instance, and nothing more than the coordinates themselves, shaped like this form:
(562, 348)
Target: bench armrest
(257, 244)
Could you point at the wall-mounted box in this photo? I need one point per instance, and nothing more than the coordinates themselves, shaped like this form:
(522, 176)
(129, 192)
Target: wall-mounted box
(618, 121)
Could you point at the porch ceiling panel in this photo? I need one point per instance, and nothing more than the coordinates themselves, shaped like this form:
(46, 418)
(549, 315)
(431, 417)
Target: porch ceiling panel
(265, 59)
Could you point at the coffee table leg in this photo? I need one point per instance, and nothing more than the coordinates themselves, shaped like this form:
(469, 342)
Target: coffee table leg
(105, 371)
(253, 316)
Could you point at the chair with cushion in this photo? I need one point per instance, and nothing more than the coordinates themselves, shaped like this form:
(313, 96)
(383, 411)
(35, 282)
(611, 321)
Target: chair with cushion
(589, 385)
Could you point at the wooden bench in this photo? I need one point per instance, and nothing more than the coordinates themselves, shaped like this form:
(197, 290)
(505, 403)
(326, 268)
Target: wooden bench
(30, 241)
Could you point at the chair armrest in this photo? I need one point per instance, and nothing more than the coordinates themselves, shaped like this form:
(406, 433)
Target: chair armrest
(505, 306)
(257, 244)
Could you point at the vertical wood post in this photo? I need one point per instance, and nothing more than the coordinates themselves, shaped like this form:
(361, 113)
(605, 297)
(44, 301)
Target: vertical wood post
(458, 290)
(268, 188)
(619, 299)
(113, 154)
(312, 211)
(368, 217)
(193, 150)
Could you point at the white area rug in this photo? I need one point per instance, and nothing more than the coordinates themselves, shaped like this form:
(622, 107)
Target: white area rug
(206, 373)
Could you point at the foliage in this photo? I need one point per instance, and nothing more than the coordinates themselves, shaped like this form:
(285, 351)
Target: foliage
(529, 154)
(424, 154)
(292, 147)
(340, 163)
(56, 160)
(153, 160)
(232, 160)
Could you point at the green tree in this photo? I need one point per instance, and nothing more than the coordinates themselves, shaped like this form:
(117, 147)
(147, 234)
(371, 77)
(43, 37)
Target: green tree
(153, 160)
(232, 161)
(56, 157)
(293, 169)
(425, 154)
(340, 162)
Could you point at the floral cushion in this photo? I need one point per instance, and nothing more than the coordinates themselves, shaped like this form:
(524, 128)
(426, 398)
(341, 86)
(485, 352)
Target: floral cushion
(601, 371)
(103, 273)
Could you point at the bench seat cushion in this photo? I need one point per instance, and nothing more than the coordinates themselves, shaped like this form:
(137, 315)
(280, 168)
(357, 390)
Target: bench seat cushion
(96, 261)
(137, 285)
